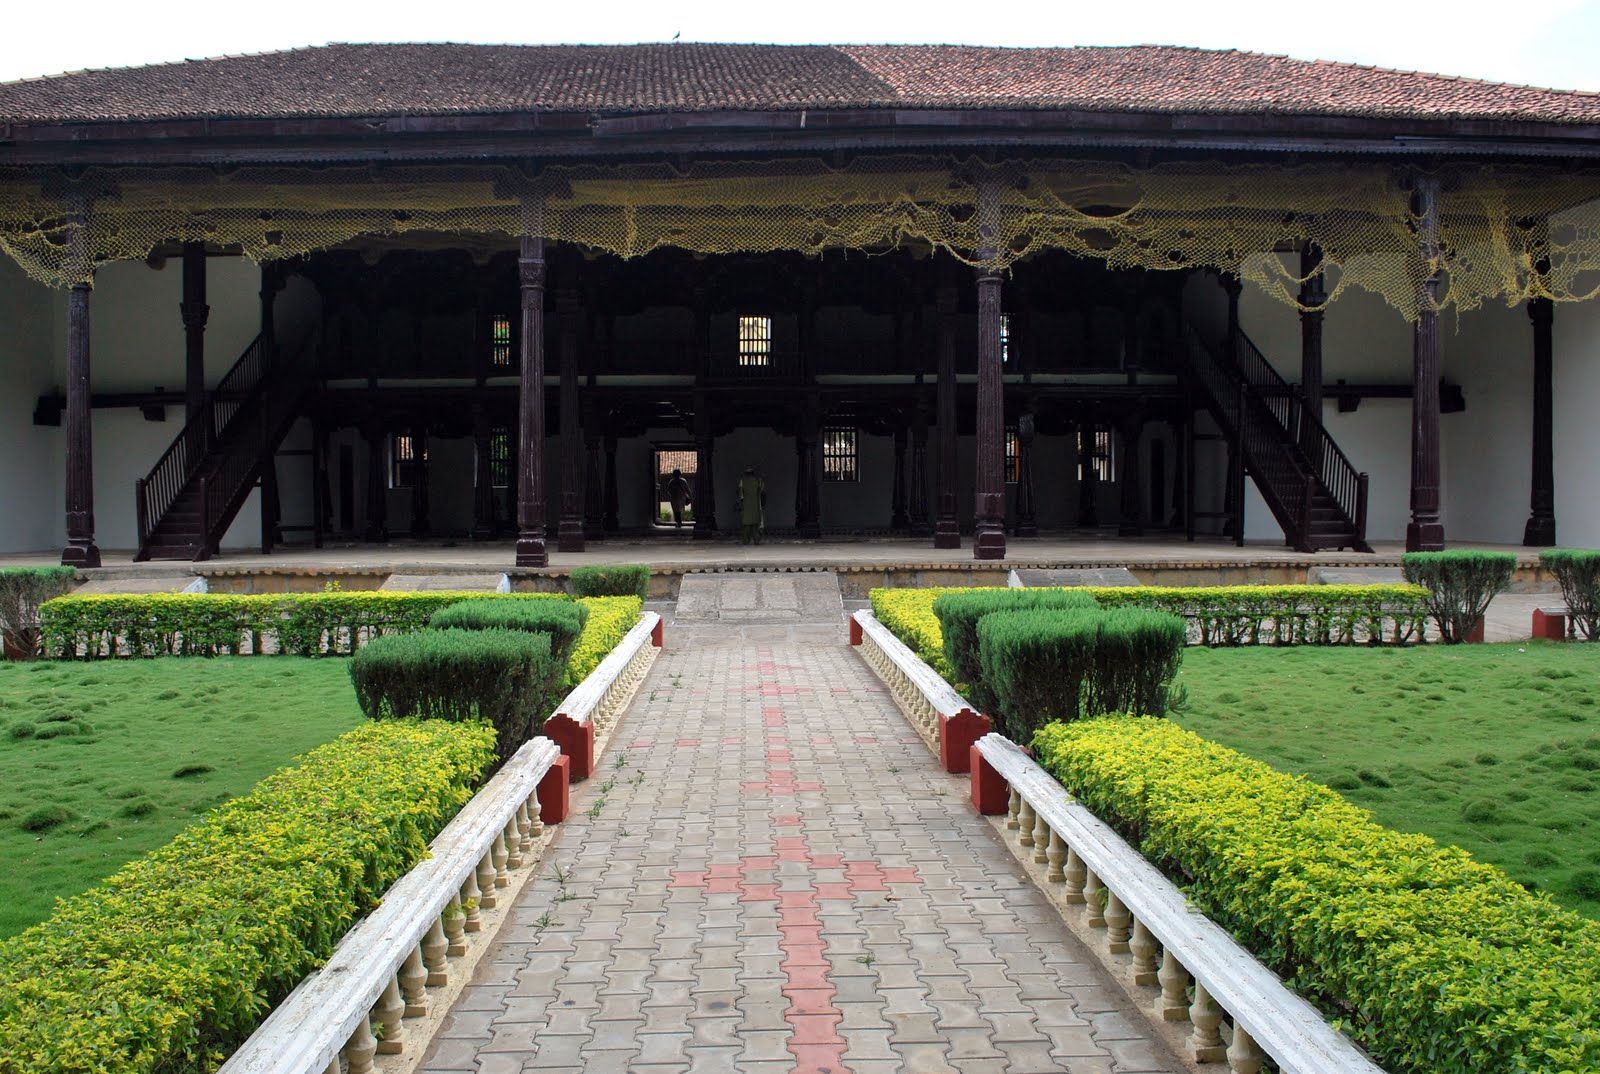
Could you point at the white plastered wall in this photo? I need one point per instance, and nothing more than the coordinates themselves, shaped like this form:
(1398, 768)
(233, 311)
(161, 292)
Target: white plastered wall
(31, 470)
(1577, 436)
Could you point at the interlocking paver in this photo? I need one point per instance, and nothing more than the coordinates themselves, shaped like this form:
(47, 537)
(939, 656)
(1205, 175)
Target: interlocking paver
(781, 881)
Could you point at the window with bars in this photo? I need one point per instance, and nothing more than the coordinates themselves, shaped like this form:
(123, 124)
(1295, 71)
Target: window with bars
(500, 340)
(755, 341)
(1005, 343)
(1013, 460)
(500, 457)
(839, 458)
(1095, 461)
(404, 460)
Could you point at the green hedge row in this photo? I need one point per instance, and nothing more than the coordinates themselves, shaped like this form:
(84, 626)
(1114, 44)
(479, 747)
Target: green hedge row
(213, 624)
(610, 619)
(171, 963)
(509, 678)
(1434, 962)
(960, 612)
(1578, 571)
(1460, 585)
(612, 580)
(561, 620)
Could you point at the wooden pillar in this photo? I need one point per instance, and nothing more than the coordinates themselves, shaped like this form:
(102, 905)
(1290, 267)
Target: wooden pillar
(1425, 532)
(1313, 292)
(195, 313)
(377, 528)
(918, 510)
(989, 502)
(80, 550)
(1130, 519)
(1027, 520)
(1541, 528)
(946, 527)
(420, 525)
(321, 499)
(483, 488)
(705, 486)
(613, 521)
(1188, 472)
(1088, 477)
(1232, 286)
(594, 507)
(899, 516)
(808, 470)
(569, 532)
(271, 507)
(530, 448)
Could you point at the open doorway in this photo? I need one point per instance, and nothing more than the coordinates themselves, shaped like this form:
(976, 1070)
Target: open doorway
(673, 469)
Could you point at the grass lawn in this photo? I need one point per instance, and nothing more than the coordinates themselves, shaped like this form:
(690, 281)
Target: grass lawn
(102, 762)
(1495, 748)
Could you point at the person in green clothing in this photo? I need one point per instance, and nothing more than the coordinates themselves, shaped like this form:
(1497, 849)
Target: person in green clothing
(752, 504)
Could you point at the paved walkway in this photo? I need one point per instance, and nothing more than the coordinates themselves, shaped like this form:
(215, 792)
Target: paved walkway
(769, 874)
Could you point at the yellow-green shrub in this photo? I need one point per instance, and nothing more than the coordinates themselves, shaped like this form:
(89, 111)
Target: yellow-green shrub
(170, 964)
(212, 624)
(1436, 963)
(610, 619)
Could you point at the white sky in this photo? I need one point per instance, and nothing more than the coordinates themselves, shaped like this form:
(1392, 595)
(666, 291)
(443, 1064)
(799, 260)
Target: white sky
(1545, 42)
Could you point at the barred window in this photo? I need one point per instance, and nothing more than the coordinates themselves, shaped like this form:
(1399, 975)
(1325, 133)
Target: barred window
(500, 340)
(403, 461)
(500, 457)
(1013, 455)
(755, 341)
(1005, 347)
(839, 460)
(1094, 445)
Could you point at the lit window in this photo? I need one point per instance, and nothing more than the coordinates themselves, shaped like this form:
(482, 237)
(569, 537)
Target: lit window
(839, 462)
(403, 461)
(500, 340)
(1094, 444)
(1005, 345)
(1013, 455)
(500, 457)
(755, 341)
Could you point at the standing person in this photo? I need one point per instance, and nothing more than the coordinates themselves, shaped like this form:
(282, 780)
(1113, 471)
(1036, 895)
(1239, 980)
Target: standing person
(752, 500)
(678, 493)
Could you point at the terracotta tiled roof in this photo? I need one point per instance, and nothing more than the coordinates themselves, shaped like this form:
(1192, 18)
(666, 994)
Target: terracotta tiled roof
(449, 79)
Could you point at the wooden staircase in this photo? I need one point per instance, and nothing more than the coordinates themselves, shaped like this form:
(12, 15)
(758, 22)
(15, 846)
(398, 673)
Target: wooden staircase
(1310, 486)
(190, 497)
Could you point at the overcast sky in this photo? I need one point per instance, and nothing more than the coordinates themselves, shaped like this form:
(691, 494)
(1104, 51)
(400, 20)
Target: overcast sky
(1545, 42)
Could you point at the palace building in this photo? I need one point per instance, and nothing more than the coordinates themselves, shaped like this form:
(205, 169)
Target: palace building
(967, 294)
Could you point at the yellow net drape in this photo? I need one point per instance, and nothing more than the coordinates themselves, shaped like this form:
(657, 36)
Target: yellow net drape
(1507, 232)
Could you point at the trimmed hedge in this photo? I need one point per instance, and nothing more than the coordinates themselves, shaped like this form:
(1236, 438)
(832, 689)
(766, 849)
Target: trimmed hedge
(506, 677)
(1460, 584)
(617, 580)
(172, 962)
(1578, 571)
(22, 591)
(960, 613)
(610, 619)
(561, 619)
(213, 624)
(1436, 963)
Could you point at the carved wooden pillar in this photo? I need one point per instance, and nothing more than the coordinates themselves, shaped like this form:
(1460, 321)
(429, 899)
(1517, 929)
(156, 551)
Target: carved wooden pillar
(1425, 532)
(569, 533)
(946, 528)
(899, 518)
(483, 489)
(1541, 528)
(377, 528)
(80, 550)
(705, 486)
(531, 550)
(920, 525)
(419, 482)
(195, 313)
(808, 470)
(1313, 292)
(613, 521)
(989, 503)
(1027, 520)
(321, 498)
(1130, 519)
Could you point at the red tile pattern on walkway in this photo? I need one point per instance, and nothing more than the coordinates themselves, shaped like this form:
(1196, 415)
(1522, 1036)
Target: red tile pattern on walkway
(770, 875)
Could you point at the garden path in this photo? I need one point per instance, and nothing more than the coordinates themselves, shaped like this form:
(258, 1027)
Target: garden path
(768, 874)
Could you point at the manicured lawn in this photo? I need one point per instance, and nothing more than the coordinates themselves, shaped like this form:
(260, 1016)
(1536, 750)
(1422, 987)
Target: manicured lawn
(100, 763)
(1495, 748)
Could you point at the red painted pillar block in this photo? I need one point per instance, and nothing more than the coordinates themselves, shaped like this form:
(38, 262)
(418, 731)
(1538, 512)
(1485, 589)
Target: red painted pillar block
(956, 735)
(576, 739)
(990, 793)
(855, 631)
(659, 633)
(1551, 626)
(1476, 633)
(555, 797)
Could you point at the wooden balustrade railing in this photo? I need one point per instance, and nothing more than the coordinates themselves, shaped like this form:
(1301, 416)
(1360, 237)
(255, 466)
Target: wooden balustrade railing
(1240, 1012)
(384, 969)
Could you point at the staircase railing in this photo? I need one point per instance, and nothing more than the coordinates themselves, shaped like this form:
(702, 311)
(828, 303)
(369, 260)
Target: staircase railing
(1343, 482)
(156, 492)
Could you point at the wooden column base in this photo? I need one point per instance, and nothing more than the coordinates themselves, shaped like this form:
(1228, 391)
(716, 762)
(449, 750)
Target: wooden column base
(1425, 537)
(1539, 532)
(989, 542)
(81, 554)
(531, 552)
(569, 536)
(946, 534)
